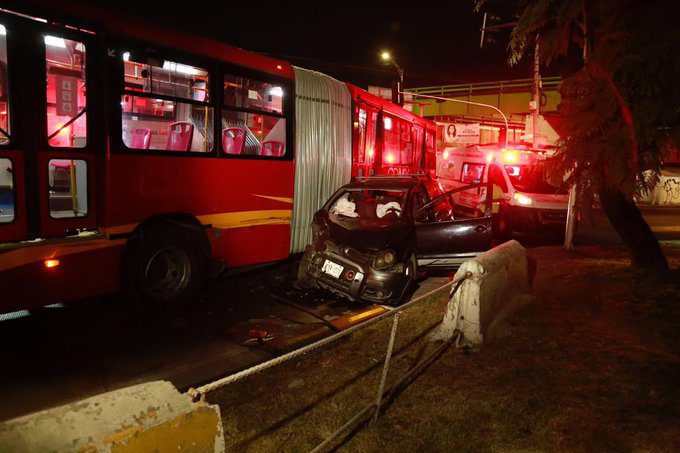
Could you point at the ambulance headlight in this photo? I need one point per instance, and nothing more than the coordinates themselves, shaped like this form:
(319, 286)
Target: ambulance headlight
(523, 199)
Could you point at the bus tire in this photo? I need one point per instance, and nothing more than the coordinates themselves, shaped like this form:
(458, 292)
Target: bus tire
(164, 266)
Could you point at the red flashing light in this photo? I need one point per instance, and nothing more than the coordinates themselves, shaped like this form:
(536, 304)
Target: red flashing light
(49, 264)
(390, 158)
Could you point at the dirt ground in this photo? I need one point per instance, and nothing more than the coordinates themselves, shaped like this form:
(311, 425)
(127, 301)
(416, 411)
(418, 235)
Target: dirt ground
(592, 365)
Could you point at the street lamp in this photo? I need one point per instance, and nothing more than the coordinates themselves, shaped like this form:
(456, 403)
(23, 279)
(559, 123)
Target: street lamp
(397, 95)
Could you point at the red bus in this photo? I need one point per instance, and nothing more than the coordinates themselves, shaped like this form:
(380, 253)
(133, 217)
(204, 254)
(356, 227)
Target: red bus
(150, 159)
(389, 139)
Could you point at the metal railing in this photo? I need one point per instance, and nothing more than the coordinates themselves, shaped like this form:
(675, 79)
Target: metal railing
(382, 395)
(502, 86)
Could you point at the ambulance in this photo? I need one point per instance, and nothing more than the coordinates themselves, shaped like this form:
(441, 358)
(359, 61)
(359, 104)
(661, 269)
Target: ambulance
(525, 203)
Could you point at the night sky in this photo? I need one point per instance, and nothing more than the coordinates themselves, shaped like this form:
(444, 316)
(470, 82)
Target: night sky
(436, 43)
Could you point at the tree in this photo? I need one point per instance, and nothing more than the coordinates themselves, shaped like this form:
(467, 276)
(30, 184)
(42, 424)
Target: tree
(620, 107)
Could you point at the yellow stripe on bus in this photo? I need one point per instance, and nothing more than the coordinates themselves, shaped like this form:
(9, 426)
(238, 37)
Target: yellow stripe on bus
(281, 199)
(36, 253)
(243, 219)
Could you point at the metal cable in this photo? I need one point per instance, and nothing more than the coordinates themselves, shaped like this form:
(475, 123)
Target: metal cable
(212, 386)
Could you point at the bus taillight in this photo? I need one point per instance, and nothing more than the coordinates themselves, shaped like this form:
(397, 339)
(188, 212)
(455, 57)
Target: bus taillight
(49, 264)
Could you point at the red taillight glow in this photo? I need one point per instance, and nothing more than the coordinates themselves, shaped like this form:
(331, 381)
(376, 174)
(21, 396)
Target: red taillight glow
(51, 263)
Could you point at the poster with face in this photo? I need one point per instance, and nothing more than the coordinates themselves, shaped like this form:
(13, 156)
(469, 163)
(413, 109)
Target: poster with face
(461, 133)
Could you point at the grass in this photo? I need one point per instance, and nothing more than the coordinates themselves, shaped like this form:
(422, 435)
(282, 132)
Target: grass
(592, 365)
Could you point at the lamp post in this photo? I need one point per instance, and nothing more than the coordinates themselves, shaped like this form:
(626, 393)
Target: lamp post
(441, 98)
(397, 94)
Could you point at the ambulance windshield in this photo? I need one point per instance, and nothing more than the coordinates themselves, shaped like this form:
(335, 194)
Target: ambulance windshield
(531, 179)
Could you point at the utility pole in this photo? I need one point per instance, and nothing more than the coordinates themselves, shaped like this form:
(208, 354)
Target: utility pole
(571, 209)
(535, 104)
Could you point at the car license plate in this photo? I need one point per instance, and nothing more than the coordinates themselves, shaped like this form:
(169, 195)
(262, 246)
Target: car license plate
(332, 268)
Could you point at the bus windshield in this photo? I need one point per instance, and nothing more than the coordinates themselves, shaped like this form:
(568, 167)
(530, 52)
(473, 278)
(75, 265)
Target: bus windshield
(531, 179)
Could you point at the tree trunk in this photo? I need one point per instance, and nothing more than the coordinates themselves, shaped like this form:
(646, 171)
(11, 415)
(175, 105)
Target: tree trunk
(626, 219)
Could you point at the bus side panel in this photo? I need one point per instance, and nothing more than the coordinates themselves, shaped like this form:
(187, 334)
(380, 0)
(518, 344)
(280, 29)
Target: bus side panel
(90, 270)
(247, 203)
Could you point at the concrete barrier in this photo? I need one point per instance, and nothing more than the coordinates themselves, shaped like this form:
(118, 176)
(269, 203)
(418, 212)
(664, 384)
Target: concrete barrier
(146, 417)
(493, 285)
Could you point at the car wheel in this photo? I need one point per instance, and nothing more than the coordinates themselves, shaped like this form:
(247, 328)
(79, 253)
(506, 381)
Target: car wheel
(303, 279)
(164, 266)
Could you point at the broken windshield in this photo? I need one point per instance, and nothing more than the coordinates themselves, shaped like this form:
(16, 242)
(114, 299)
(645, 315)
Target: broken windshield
(369, 204)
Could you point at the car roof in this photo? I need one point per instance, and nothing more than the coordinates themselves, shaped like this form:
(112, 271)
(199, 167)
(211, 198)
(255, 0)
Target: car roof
(385, 182)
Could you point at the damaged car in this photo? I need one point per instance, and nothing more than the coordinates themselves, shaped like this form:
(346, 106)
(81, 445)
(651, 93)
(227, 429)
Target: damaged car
(374, 235)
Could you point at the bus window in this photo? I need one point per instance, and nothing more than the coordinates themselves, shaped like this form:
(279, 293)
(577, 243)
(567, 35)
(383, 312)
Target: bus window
(150, 123)
(406, 147)
(391, 148)
(362, 136)
(472, 173)
(4, 93)
(248, 133)
(6, 191)
(264, 135)
(166, 77)
(67, 180)
(66, 101)
(242, 92)
(371, 129)
(182, 120)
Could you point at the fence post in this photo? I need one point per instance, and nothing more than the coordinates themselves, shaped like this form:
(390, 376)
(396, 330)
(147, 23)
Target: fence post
(386, 367)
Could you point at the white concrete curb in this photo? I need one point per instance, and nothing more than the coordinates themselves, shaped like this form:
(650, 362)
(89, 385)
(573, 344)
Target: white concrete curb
(493, 286)
(147, 417)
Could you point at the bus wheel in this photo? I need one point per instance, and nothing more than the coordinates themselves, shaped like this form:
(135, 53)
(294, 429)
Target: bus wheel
(165, 266)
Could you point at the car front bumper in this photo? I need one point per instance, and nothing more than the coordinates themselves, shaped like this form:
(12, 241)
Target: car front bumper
(358, 280)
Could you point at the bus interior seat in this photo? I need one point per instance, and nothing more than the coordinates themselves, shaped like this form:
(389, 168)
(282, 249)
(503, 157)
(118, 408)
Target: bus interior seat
(272, 148)
(141, 138)
(180, 135)
(233, 139)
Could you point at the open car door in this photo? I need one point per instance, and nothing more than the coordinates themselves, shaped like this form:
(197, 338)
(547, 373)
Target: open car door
(454, 226)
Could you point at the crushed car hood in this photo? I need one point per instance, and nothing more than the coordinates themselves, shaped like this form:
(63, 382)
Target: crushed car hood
(368, 234)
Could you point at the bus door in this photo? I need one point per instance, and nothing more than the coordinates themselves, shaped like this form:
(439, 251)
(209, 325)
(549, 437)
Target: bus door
(47, 163)
(365, 139)
(418, 141)
(12, 164)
